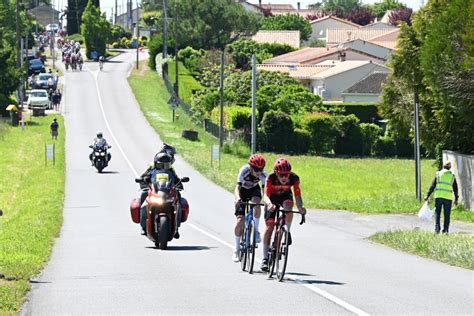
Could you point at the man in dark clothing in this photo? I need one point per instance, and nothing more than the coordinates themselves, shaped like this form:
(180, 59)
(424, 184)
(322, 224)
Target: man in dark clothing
(444, 185)
(54, 129)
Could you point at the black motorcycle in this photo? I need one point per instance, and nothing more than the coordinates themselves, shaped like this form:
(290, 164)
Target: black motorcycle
(100, 156)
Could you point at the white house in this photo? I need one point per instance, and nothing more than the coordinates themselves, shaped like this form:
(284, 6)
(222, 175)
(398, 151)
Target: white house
(302, 73)
(330, 83)
(320, 26)
(341, 35)
(367, 90)
(291, 38)
(367, 47)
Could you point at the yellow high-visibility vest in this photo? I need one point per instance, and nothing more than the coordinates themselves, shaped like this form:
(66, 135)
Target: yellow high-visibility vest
(444, 184)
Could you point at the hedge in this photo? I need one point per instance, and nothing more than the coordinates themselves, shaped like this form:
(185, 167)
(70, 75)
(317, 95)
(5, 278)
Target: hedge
(365, 112)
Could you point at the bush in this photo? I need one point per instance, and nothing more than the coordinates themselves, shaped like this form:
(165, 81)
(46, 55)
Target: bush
(370, 133)
(349, 141)
(76, 38)
(278, 129)
(277, 49)
(404, 147)
(237, 117)
(323, 130)
(384, 146)
(155, 46)
(365, 112)
(236, 147)
(301, 141)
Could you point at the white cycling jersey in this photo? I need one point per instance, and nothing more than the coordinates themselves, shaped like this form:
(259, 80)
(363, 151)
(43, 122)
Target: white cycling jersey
(247, 180)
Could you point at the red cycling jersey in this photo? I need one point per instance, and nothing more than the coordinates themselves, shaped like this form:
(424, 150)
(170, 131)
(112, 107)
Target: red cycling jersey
(273, 186)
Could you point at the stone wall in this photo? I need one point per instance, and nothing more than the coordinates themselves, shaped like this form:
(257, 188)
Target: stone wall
(463, 168)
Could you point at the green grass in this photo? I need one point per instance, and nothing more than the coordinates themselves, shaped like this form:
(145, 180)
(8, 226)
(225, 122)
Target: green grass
(362, 185)
(31, 197)
(187, 83)
(453, 249)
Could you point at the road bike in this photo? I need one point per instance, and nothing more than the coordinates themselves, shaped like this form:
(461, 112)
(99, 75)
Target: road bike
(248, 240)
(279, 247)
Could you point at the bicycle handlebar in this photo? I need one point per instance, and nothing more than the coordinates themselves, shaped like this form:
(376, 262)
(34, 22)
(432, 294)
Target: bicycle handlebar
(303, 216)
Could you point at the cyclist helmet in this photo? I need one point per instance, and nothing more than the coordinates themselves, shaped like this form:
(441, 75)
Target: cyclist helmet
(99, 134)
(282, 166)
(163, 160)
(256, 161)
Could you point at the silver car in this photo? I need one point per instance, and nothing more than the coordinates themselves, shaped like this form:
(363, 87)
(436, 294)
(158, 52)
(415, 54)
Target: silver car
(38, 99)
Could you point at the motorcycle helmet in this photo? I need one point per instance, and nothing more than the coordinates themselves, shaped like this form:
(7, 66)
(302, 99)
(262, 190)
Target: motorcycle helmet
(163, 161)
(99, 134)
(170, 150)
(282, 166)
(257, 162)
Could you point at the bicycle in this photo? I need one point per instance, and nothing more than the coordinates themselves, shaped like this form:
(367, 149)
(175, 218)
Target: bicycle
(279, 247)
(248, 241)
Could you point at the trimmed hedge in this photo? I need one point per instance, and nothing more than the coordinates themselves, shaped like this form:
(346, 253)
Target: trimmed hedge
(365, 112)
(237, 117)
(278, 129)
(323, 130)
(349, 141)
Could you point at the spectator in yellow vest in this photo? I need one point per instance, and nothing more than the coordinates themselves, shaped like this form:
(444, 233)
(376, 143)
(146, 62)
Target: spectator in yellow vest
(444, 185)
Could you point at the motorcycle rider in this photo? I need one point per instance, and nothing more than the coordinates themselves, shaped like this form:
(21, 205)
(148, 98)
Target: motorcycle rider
(248, 189)
(162, 163)
(99, 141)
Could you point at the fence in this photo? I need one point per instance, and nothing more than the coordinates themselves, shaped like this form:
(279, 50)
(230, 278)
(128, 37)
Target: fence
(169, 86)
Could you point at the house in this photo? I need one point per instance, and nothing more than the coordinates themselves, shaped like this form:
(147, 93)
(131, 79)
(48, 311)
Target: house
(128, 19)
(379, 25)
(278, 9)
(45, 14)
(367, 90)
(330, 84)
(291, 38)
(320, 26)
(353, 50)
(388, 40)
(249, 6)
(337, 36)
(302, 73)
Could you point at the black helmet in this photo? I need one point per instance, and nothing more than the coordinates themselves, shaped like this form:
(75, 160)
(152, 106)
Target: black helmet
(99, 134)
(163, 160)
(168, 149)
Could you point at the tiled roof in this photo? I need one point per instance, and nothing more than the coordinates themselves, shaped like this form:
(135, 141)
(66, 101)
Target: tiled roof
(296, 71)
(335, 18)
(301, 56)
(301, 12)
(341, 66)
(389, 36)
(372, 84)
(387, 44)
(277, 6)
(343, 35)
(291, 38)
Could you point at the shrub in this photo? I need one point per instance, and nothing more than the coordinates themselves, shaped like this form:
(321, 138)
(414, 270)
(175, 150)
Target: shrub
(323, 130)
(235, 116)
(278, 129)
(236, 147)
(365, 112)
(301, 141)
(277, 49)
(349, 141)
(155, 46)
(384, 146)
(370, 133)
(76, 38)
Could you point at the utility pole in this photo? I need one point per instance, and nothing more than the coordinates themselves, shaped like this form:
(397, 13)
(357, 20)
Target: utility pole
(254, 104)
(176, 84)
(221, 87)
(417, 146)
(18, 60)
(138, 32)
(165, 37)
(115, 16)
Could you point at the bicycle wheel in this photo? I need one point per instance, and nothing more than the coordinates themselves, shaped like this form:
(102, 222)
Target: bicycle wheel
(271, 257)
(282, 253)
(251, 246)
(243, 250)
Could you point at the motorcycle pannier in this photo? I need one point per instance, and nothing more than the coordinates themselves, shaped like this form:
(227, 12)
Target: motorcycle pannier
(135, 211)
(185, 208)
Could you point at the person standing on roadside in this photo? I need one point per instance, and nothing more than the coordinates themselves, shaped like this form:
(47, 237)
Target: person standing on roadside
(54, 129)
(444, 185)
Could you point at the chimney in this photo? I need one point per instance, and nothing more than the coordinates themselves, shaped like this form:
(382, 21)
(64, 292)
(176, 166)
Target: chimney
(298, 5)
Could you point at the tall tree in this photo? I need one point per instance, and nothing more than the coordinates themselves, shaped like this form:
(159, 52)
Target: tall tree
(380, 8)
(341, 6)
(96, 29)
(288, 22)
(210, 23)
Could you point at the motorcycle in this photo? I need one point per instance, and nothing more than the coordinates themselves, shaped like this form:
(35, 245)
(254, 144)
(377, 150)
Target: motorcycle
(165, 209)
(100, 156)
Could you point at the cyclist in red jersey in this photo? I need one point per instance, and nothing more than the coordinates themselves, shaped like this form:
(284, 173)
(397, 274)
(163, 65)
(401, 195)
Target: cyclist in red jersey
(278, 192)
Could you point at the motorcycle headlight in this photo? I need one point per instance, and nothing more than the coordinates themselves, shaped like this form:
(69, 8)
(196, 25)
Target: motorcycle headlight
(96, 153)
(157, 200)
(102, 154)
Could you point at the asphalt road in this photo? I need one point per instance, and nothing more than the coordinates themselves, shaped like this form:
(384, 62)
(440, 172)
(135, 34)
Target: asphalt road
(101, 265)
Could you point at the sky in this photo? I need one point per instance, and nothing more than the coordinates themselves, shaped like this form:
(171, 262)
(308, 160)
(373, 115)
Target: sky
(108, 5)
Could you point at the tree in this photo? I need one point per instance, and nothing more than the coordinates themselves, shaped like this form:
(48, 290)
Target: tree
(361, 16)
(400, 15)
(340, 7)
(288, 22)
(95, 29)
(211, 23)
(380, 8)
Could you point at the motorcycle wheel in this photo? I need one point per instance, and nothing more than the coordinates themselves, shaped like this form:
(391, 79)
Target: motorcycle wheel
(163, 231)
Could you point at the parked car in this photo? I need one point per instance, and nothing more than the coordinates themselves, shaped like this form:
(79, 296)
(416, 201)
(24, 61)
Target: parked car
(45, 81)
(38, 99)
(52, 27)
(35, 66)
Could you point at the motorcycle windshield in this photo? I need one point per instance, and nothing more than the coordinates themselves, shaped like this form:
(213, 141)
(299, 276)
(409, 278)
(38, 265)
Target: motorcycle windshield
(162, 182)
(99, 148)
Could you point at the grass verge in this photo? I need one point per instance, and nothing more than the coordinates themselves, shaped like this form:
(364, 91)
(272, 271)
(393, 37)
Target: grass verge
(31, 197)
(454, 249)
(187, 83)
(366, 185)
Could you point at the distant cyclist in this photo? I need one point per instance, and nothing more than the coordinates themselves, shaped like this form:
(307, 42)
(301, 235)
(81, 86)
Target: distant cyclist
(248, 189)
(278, 193)
(101, 62)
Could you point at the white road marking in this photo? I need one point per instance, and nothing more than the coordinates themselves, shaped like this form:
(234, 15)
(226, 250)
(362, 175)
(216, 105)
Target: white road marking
(307, 285)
